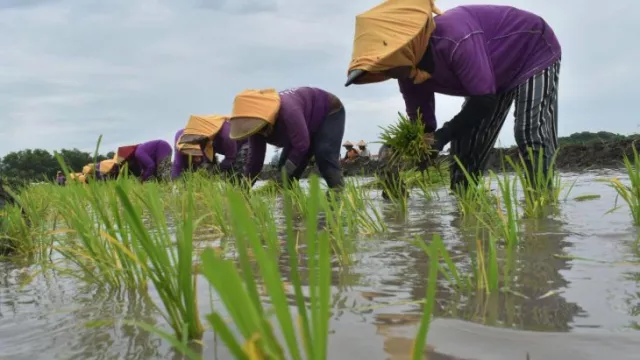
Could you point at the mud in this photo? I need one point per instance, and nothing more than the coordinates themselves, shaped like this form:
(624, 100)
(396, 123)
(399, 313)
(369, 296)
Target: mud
(574, 157)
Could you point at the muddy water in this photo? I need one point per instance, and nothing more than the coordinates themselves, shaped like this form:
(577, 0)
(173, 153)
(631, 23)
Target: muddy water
(562, 308)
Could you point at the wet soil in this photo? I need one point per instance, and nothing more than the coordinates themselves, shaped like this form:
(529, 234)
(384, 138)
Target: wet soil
(574, 157)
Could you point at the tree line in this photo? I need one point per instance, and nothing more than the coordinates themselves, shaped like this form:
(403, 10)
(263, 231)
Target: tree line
(31, 165)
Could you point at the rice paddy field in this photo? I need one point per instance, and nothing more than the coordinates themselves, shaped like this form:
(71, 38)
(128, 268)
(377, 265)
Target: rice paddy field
(202, 269)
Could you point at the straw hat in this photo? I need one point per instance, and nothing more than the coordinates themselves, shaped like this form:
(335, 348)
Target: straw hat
(391, 35)
(347, 143)
(361, 143)
(252, 111)
(200, 129)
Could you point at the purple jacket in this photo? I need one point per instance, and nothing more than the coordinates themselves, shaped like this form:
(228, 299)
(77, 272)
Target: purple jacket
(479, 50)
(222, 144)
(147, 157)
(302, 111)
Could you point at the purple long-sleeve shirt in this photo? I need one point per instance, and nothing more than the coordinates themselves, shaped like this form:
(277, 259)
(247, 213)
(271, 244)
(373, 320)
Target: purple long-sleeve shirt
(222, 144)
(480, 50)
(302, 111)
(147, 157)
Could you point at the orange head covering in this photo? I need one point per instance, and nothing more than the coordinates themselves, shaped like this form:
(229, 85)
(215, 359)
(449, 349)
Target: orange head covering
(252, 111)
(200, 129)
(125, 153)
(391, 35)
(88, 169)
(106, 166)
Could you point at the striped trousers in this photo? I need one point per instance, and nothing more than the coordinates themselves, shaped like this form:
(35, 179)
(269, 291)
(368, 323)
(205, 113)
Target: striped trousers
(536, 126)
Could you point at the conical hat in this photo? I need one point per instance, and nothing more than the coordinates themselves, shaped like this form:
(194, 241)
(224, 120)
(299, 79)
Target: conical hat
(393, 34)
(347, 143)
(252, 111)
(361, 143)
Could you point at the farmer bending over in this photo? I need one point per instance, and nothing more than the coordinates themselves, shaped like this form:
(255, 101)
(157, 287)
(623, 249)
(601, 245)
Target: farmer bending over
(60, 178)
(363, 152)
(202, 138)
(304, 121)
(491, 55)
(107, 169)
(148, 161)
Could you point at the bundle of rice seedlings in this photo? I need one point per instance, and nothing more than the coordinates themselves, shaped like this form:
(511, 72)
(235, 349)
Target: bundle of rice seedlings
(409, 141)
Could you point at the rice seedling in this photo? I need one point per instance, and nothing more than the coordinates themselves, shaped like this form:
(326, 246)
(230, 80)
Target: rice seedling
(473, 197)
(408, 140)
(99, 241)
(238, 289)
(433, 251)
(395, 190)
(541, 190)
(27, 227)
(630, 194)
(170, 267)
(503, 220)
(368, 218)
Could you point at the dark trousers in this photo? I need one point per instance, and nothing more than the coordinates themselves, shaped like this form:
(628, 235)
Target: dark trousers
(325, 147)
(536, 124)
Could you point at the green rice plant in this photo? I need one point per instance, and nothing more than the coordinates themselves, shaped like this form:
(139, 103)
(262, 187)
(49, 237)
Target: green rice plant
(504, 217)
(407, 139)
(630, 194)
(473, 197)
(540, 190)
(119, 236)
(238, 289)
(99, 241)
(27, 227)
(368, 218)
(396, 191)
(486, 271)
(420, 341)
(170, 267)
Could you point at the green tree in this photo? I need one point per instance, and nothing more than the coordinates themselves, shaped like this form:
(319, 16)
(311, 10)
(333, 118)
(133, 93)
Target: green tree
(39, 164)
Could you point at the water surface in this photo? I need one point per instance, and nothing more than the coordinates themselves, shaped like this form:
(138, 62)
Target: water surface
(564, 308)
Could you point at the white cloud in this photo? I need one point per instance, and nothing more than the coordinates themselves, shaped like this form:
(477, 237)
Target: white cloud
(134, 70)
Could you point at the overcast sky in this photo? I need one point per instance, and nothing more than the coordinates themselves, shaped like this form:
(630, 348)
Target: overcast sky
(133, 70)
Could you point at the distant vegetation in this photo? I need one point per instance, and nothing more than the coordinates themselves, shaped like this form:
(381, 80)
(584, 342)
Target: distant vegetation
(587, 137)
(40, 165)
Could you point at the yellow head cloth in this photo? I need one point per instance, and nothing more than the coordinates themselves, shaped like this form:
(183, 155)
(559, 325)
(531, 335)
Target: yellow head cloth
(88, 169)
(106, 166)
(252, 111)
(393, 34)
(200, 128)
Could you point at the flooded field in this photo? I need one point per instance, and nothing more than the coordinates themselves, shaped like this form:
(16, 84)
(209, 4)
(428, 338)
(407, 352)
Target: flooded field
(576, 294)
